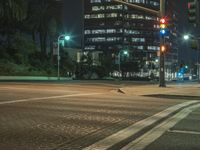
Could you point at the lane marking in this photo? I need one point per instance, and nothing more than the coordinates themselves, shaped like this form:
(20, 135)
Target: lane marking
(33, 89)
(184, 132)
(135, 128)
(45, 98)
(150, 136)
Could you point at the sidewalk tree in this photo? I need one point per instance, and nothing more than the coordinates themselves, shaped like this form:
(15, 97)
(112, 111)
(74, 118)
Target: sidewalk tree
(12, 12)
(40, 16)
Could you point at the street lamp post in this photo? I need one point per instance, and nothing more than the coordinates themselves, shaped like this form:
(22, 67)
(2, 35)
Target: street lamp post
(198, 66)
(197, 47)
(119, 58)
(66, 37)
(162, 55)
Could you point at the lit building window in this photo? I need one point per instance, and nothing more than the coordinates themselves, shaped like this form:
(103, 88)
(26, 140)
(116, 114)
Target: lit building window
(135, 16)
(90, 47)
(138, 39)
(99, 31)
(98, 8)
(87, 32)
(136, 1)
(155, 48)
(97, 39)
(114, 7)
(132, 31)
(153, 3)
(95, 1)
(111, 30)
(111, 15)
(111, 39)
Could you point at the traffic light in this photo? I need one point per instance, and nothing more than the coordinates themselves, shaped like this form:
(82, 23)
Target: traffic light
(163, 26)
(194, 44)
(162, 48)
(193, 11)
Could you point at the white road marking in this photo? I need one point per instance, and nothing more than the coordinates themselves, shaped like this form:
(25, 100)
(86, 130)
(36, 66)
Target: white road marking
(135, 128)
(184, 132)
(45, 98)
(150, 136)
(35, 89)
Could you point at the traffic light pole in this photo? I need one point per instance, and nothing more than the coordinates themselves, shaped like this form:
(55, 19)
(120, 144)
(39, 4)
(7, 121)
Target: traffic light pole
(162, 54)
(161, 14)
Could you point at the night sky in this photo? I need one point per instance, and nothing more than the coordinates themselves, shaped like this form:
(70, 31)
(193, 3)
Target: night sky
(73, 24)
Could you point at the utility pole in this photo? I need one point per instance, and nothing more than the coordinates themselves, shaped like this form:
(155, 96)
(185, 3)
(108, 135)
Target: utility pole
(162, 54)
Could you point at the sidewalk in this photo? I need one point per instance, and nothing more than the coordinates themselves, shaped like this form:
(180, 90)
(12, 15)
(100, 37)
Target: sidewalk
(184, 135)
(181, 90)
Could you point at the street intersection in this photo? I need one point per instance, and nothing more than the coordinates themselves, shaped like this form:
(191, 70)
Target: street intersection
(98, 115)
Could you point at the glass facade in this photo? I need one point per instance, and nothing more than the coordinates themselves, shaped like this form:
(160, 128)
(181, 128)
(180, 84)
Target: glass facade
(111, 27)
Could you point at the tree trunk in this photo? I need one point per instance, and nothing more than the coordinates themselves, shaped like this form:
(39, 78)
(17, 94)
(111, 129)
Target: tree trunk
(43, 37)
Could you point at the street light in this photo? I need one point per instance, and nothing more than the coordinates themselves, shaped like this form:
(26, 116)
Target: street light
(194, 45)
(125, 52)
(186, 37)
(67, 38)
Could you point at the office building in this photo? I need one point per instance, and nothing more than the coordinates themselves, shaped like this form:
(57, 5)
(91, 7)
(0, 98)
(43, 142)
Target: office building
(112, 27)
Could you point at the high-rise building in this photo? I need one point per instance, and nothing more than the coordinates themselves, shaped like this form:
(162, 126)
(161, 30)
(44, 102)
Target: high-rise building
(111, 27)
(171, 58)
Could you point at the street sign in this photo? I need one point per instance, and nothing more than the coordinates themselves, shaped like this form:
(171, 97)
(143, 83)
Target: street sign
(193, 12)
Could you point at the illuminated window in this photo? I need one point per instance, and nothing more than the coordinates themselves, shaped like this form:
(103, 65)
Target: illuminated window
(114, 7)
(111, 15)
(135, 1)
(99, 31)
(97, 39)
(111, 30)
(92, 16)
(135, 16)
(153, 3)
(98, 8)
(155, 48)
(132, 31)
(87, 32)
(95, 1)
(138, 39)
(90, 47)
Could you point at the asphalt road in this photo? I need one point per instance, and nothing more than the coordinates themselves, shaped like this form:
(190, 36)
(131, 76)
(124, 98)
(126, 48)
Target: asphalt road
(47, 116)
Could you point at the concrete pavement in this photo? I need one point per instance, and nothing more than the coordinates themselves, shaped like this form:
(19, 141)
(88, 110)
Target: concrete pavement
(183, 136)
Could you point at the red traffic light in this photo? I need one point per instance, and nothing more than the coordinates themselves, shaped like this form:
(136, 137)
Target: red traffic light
(163, 26)
(162, 20)
(189, 5)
